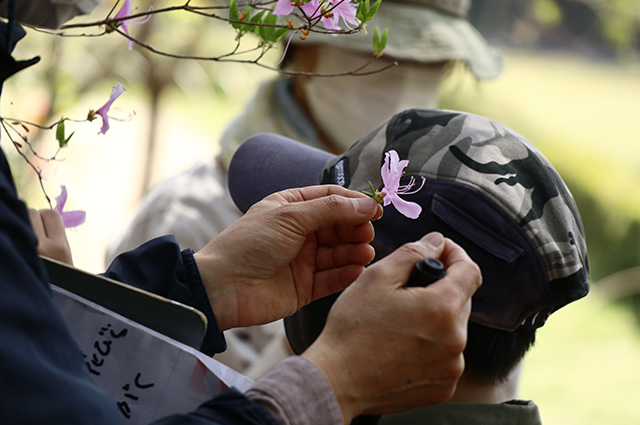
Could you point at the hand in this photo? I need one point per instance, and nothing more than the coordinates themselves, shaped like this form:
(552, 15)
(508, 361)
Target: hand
(291, 248)
(387, 347)
(52, 238)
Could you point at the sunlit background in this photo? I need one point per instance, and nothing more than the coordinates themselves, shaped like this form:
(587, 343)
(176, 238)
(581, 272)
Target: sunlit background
(571, 85)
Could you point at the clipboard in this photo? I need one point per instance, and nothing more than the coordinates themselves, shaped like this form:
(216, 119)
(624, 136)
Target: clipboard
(175, 320)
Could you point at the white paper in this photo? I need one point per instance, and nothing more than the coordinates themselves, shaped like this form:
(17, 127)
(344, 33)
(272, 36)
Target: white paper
(148, 374)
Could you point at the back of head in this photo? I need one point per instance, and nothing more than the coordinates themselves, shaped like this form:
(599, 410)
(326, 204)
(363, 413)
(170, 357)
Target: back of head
(492, 192)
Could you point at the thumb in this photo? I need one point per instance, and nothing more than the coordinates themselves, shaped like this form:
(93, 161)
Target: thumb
(397, 266)
(331, 210)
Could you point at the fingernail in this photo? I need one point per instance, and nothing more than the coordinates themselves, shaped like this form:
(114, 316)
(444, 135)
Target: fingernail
(364, 205)
(434, 240)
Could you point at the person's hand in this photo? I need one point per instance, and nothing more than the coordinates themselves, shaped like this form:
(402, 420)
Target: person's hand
(289, 249)
(52, 238)
(387, 347)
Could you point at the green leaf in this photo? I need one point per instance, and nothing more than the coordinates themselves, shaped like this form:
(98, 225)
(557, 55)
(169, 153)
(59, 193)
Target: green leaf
(234, 15)
(376, 39)
(279, 34)
(374, 9)
(379, 42)
(271, 34)
(362, 11)
(60, 133)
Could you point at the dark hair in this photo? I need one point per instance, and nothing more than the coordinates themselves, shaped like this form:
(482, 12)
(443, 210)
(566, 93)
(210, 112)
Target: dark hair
(491, 354)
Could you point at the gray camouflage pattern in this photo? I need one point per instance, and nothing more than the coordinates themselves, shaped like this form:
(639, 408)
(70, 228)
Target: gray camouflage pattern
(491, 158)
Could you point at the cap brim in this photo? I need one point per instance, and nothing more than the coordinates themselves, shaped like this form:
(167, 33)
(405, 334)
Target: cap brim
(269, 163)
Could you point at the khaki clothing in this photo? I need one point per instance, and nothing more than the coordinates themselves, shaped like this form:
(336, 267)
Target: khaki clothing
(515, 412)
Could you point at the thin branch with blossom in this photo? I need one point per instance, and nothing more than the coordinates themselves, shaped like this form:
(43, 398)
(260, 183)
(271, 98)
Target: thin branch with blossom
(309, 21)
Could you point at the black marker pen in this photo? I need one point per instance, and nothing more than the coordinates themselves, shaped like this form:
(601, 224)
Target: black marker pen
(426, 272)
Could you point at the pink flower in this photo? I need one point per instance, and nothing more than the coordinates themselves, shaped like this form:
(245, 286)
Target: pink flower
(104, 110)
(336, 9)
(391, 172)
(69, 218)
(125, 11)
(344, 9)
(283, 8)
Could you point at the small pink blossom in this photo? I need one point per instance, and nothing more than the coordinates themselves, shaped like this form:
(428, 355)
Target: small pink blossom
(104, 110)
(329, 12)
(283, 8)
(69, 218)
(125, 11)
(344, 9)
(391, 172)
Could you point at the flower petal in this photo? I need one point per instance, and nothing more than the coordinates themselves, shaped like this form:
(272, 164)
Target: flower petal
(283, 8)
(73, 218)
(346, 10)
(124, 11)
(392, 170)
(61, 199)
(104, 110)
(406, 208)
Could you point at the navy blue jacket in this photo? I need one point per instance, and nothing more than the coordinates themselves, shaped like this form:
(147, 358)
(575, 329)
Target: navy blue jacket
(43, 378)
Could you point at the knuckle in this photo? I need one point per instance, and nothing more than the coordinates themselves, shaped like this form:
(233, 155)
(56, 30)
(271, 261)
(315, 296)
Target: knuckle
(454, 370)
(288, 217)
(333, 202)
(476, 273)
(458, 341)
(49, 213)
(413, 249)
(373, 273)
(445, 315)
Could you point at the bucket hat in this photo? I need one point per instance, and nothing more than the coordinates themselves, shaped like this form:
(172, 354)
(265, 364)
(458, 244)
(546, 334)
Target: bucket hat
(424, 31)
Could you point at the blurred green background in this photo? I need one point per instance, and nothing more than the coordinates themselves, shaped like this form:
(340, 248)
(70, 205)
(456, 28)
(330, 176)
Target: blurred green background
(583, 115)
(571, 85)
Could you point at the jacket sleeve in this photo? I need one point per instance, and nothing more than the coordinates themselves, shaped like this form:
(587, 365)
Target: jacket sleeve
(43, 377)
(230, 407)
(159, 266)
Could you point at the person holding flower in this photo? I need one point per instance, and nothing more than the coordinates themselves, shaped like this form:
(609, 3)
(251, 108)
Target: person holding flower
(426, 37)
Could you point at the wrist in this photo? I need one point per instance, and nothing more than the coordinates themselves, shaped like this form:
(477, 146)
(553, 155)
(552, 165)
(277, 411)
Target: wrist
(217, 287)
(330, 363)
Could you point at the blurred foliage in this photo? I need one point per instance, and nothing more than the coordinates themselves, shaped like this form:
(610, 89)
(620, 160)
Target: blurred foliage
(584, 367)
(608, 28)
(611, 248)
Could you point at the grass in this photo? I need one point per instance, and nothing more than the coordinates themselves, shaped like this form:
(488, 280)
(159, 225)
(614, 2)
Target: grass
(584, 367)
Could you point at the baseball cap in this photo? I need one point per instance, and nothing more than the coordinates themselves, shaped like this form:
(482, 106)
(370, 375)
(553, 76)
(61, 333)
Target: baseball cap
(478, 182)
(424, 31)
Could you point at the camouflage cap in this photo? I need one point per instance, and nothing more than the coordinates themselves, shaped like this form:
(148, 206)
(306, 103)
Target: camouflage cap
(485, 187)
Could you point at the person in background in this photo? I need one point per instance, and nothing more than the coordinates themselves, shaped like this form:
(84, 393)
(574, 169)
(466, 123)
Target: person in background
(476, 182)
(328, 113)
